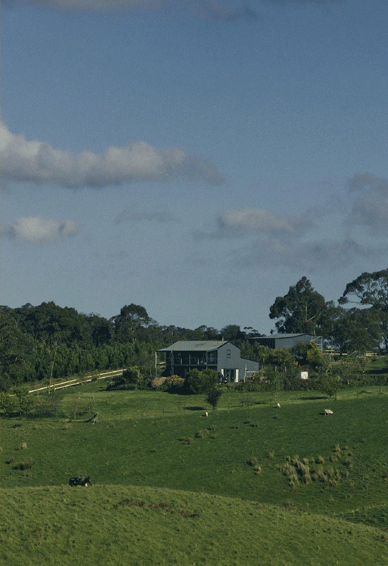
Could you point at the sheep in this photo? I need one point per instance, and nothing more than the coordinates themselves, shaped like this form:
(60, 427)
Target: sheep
(277, 406)
(206, 414)
(328, 412)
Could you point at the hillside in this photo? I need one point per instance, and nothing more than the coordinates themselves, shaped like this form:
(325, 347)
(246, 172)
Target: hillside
(248, 484)
(111, 525)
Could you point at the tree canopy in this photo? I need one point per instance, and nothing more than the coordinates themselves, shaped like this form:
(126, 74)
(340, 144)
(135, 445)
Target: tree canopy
(369, 289)
(300, 310)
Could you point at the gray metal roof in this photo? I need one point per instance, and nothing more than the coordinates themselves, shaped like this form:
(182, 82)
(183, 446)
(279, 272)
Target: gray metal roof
(195, 345)
(283, 335)
(279, 336)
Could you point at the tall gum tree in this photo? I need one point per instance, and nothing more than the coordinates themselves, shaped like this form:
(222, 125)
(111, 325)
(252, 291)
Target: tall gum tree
(370, 291)
(302, 309)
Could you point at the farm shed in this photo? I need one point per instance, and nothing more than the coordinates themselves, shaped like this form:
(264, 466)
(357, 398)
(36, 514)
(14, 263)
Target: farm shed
(219, 355)
(275, 341)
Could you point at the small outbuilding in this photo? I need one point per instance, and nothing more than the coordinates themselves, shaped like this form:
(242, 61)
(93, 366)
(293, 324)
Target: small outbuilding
(219, 355)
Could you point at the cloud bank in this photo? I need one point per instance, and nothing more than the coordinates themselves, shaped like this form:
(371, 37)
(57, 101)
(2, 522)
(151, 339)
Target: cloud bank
(319, 239)
(370, 207)
(220, 10)
(38, 162)
(35, 229)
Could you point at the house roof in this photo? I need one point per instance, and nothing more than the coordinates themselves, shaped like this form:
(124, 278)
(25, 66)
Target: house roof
(194, 345)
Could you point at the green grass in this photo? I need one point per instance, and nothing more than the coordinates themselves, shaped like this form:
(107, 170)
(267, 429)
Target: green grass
(110, 525)
(148, 444)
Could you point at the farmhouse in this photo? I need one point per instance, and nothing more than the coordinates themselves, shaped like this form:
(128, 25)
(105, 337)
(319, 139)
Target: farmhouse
(219, 355)
(275, 341)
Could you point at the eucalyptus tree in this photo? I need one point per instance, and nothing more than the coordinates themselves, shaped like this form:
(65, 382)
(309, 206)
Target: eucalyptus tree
(302, 309)
(369, 292)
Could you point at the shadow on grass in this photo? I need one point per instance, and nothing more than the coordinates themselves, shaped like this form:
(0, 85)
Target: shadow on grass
(377, 371)
(314, 398)
(197, 408)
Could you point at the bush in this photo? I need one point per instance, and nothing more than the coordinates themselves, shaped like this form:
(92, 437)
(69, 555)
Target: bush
(79, 406)
(24, 465)
(329, 385)
(213, 397)
(201, 381)
(132, 375)
(130, 379)
(46, 405)
(16, 404)
(174, 383)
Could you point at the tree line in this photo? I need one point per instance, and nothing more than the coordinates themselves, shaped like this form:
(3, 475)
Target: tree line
(51, 342)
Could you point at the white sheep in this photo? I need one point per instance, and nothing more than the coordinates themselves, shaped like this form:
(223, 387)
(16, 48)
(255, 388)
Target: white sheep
(328, 412)
(206, 414)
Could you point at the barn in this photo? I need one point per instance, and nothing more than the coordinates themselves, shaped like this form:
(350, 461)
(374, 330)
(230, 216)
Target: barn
(219, 355)
(276, 341)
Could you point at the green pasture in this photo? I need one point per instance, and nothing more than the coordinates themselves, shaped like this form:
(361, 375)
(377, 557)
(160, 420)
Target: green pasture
(115, 525)
(284, 485)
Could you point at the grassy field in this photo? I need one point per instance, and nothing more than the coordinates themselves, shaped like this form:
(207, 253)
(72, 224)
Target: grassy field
(249, 484)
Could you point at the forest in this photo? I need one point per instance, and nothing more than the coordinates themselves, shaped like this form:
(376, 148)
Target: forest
(50, 342)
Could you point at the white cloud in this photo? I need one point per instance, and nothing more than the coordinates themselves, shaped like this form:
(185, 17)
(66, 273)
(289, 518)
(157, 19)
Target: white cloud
(36, 161)
(222, 10)
(260, 220)
(35, 229)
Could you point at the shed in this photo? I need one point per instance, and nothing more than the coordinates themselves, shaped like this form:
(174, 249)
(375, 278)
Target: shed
(276, 341)
(219, 355)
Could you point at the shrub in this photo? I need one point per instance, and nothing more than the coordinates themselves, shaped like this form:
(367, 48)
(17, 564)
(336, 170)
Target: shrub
(24, 465)
(130, 379)
(9, 404)
(174, 382)
(201, 381)
(185, 439)
(158, 382)
(46, 405)
(79, 406)
(132, 375)
(201, 434)
(253, 462)
(329, 385)
(213, 397)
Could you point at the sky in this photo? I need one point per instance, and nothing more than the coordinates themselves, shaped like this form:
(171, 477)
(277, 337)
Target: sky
(195, 157)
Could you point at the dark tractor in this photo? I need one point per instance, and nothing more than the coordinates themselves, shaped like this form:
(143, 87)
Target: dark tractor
(79, 481)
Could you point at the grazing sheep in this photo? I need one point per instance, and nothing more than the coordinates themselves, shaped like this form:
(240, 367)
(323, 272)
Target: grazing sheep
(206, 414)
(328, 412)
(277, 406)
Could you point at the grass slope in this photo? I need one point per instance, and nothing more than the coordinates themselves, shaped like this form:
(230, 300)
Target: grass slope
(107, 525)
(235, 503)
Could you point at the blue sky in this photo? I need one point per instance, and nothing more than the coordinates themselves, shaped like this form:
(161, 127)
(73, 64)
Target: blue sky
(196, 157)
